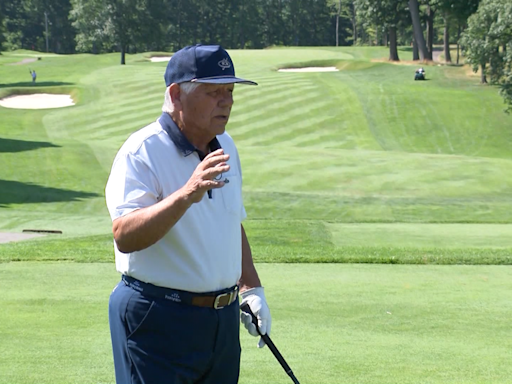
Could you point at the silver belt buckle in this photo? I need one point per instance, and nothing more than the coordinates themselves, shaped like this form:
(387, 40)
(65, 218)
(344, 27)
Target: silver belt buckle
(230, 300)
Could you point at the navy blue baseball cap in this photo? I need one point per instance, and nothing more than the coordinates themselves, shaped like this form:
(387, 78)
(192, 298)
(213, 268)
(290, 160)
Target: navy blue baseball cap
(202, 64)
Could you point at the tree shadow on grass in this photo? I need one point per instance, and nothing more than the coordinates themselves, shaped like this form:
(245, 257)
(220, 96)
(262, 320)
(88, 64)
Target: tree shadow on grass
(36, 85)
(9, 145)
(410, 49)
(15, 192)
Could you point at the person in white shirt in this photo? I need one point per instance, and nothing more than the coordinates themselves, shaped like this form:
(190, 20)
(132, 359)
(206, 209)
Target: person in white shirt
(175, 197)
(34, 75)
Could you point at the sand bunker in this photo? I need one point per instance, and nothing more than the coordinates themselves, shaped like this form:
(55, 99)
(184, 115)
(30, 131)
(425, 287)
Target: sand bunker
(24, 61)
(157, 59)
(310, 69)
(37, 101)
(6, 237)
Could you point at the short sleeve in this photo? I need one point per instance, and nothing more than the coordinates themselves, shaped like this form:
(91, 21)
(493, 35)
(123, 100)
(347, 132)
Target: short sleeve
(131, 186)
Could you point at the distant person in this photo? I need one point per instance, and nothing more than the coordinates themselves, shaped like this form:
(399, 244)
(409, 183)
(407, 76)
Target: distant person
(175, 197)
(34, 76)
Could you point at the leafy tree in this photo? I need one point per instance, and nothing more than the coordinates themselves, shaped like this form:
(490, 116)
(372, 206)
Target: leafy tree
(346, 23)
(430, 8)
(414, 9)
(487, 44)
(25, 25)
(89, 19)
(117, 24)
(1, 30)
(454, 11)
(461, 10)
(386, 13)
(479, 45)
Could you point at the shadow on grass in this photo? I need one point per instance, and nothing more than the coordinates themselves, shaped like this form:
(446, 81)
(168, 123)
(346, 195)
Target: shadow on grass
(410, 49)
(9, 145)
(15, 192)
(36, 85)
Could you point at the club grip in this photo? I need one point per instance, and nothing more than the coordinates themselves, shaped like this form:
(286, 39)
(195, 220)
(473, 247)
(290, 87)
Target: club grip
(247, 309)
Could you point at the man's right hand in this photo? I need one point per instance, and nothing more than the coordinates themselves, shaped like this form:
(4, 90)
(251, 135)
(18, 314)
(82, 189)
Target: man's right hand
(205, 175)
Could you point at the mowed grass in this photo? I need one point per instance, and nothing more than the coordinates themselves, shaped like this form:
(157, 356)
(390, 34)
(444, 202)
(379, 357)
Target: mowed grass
(289, 241)
(332, 323)
(365, 144)
(363, 165)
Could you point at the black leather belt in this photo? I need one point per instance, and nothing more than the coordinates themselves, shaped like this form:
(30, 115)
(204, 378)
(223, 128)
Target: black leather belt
(217, 300)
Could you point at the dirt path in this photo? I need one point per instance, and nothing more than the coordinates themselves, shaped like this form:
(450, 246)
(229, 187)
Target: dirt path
(436, 55)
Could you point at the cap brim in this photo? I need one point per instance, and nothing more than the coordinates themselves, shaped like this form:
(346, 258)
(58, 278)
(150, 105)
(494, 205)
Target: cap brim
(223, 80)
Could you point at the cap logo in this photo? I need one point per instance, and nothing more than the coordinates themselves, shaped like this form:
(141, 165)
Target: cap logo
(224, 64)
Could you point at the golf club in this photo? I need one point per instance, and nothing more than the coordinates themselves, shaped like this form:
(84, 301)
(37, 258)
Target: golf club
(245, 307)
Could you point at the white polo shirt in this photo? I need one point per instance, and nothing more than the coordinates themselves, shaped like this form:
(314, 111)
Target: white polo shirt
(202, 252)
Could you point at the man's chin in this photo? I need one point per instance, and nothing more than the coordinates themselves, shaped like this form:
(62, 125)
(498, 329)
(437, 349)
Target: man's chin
(220, 131)
(219, 128)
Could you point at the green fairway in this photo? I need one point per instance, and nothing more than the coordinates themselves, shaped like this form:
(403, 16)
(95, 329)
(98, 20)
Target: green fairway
(365, 144)
(332, 323)
(363, 165)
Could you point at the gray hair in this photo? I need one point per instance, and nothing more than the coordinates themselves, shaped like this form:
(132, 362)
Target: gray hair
(186, 88)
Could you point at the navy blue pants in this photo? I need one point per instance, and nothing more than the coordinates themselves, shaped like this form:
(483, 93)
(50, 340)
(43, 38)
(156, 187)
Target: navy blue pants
(158, 341)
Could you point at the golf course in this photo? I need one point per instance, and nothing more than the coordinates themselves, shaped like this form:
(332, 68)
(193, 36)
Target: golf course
(379, 214)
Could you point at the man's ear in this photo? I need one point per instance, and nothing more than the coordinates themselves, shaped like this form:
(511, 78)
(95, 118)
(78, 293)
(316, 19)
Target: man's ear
(176, 94)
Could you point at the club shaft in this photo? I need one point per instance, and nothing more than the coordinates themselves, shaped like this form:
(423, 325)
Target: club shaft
(279, 357)
(276, 353)
(271, 345)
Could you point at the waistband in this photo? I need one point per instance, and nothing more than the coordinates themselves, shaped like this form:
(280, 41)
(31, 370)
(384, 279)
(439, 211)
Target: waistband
(216, 300)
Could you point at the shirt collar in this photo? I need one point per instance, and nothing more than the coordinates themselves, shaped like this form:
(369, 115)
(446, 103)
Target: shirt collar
(180, 140)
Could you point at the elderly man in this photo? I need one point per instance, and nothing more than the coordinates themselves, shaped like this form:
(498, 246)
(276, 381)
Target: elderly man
(175, 198)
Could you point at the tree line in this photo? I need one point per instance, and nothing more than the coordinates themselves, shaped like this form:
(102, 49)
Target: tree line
(97, 26)
(481, 28)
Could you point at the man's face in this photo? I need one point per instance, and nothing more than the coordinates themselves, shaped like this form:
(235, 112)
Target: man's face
(206, 109)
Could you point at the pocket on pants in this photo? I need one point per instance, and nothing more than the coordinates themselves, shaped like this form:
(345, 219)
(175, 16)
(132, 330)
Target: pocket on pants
(138, 312)
(172, 331)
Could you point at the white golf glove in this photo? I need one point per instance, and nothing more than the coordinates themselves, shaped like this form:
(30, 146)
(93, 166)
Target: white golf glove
(255, 297)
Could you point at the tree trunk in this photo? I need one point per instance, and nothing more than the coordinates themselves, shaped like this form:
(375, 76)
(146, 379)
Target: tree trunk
(483, 77)
(415, 53)
(494, 69)
(446, 37)
(393, 51)
(123, 54)
(179, 23)
(418, 33)
(354, 25)
(458, 46)
(338, 23)
(430, 32)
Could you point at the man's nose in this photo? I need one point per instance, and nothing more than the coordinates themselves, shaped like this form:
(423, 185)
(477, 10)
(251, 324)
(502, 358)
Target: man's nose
(227, 99)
